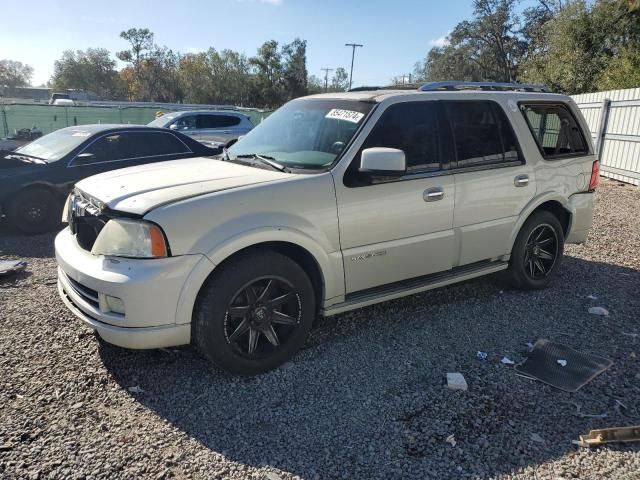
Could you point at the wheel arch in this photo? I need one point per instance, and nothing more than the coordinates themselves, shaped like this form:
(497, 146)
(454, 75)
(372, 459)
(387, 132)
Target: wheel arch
(555, 204)
(324, 270)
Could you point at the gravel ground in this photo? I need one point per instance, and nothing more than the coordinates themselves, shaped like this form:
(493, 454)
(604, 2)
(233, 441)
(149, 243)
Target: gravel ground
(364, 399)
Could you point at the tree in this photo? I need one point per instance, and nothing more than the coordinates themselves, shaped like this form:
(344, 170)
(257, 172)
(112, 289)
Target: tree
(15, 74)
(340, 80)
(267, 67)
(294, 56)
(92, 70)
(588, 47)
(141, 42)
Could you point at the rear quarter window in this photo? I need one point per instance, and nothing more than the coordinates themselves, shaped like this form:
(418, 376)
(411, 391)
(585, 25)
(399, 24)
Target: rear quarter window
(554, 129)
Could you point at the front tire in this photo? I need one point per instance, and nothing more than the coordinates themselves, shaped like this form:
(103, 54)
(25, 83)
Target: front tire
(537, 251)
(34, 210)
(254, 313)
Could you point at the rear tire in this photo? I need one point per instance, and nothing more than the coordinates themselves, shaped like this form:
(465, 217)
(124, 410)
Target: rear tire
(254, 313)
(537, 251)
(34, 210)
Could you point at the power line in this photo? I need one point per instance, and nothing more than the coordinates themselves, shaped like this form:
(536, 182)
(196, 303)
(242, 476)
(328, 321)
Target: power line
(353, 53)
(326, 77)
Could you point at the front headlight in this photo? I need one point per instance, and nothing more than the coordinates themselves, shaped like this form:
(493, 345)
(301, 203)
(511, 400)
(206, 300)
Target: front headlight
(65, 211)
(130, 238)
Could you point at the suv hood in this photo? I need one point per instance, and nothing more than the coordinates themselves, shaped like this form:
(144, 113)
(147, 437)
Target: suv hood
(140, 189)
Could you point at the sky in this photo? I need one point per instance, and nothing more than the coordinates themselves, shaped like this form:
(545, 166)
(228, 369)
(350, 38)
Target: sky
(395, 34)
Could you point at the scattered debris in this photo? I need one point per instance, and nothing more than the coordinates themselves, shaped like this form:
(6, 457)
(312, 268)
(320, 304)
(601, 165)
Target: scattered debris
(456, 381)
(592, 297)
(587, 415)
(136, 389)
(529, 345)
(609, 435)
(451, 440)
(537, 438)
(620, 405)
(599, 311)
(272, 476)
(561, 366)
(9, 267)
(481, 355)
(507, 361)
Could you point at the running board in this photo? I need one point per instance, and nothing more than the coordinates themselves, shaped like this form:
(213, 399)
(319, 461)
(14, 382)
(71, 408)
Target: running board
(414, 285)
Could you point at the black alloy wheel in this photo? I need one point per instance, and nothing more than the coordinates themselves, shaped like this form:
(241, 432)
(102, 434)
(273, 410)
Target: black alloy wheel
(537, 251)
(254, 313)
(541, 251)
(262, 316)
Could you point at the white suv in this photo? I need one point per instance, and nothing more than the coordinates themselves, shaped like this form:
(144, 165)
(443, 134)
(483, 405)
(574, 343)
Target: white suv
(334, 202)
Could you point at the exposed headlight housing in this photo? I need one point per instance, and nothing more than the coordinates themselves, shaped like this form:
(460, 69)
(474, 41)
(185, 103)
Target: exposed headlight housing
(65, 211)
(130, 238)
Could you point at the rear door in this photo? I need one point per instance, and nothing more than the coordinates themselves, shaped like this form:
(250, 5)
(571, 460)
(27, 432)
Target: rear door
(493, 181)
(393, 229)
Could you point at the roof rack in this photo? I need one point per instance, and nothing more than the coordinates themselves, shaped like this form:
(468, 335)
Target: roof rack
(492, 86)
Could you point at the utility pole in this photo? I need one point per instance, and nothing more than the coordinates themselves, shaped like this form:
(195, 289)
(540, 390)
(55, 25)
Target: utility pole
(326, 77)
(353, 54)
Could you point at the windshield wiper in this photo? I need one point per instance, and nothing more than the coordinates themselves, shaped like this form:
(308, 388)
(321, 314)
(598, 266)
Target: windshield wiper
(26, 158)
(266, 159)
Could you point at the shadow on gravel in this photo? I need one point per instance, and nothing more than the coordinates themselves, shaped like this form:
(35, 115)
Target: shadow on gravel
(366, 397)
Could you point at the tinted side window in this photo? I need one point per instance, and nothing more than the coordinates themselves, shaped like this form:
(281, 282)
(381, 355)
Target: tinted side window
(413, 128)
(479, 130)
(121, 146)
(117, 146)
(157, 143)
(555, 130)
(217, 121)
(186, 122)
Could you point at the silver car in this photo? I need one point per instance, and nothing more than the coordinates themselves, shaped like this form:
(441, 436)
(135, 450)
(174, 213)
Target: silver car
(209, 126)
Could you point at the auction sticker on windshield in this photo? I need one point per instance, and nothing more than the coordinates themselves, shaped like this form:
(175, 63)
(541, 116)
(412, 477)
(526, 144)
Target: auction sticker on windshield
(348, 115)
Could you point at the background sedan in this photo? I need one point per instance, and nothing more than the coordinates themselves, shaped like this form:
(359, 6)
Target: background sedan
(36, 178)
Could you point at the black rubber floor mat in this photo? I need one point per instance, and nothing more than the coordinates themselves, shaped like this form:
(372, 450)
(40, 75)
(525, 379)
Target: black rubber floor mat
(545, 363)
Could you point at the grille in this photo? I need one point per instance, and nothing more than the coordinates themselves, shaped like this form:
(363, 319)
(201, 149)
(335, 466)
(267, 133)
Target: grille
(85, 220)
(89, 295)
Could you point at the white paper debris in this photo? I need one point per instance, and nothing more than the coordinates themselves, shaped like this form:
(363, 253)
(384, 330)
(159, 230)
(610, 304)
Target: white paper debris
(592, 297)
(136, 389)
(456, 381)
(562, 362)
(451, 440)
(599, 311)
(507, 361)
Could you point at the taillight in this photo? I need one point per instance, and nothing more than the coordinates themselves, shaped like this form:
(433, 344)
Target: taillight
(595, 176)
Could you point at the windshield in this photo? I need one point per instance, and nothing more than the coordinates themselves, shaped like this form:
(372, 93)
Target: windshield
(162, 121)
(56, 145)
(306, 134)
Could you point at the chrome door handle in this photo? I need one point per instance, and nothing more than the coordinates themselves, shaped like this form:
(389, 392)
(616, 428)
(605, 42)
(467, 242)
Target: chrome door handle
(521, 180)
(433, 194)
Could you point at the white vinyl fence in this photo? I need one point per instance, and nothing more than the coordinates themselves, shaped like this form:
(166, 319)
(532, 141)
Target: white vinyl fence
(614, 120)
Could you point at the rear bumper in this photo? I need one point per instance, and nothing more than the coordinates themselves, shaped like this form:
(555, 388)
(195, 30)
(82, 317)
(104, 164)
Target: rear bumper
(581, 206)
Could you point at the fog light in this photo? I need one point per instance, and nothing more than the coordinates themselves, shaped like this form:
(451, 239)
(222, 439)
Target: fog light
(115, 304)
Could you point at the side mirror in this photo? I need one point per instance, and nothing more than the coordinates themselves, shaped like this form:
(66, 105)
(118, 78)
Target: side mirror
(383, 162)
(173, 126)
(84, 158)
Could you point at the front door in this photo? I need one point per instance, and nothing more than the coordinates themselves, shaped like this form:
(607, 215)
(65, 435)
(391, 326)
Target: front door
(393, 229)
